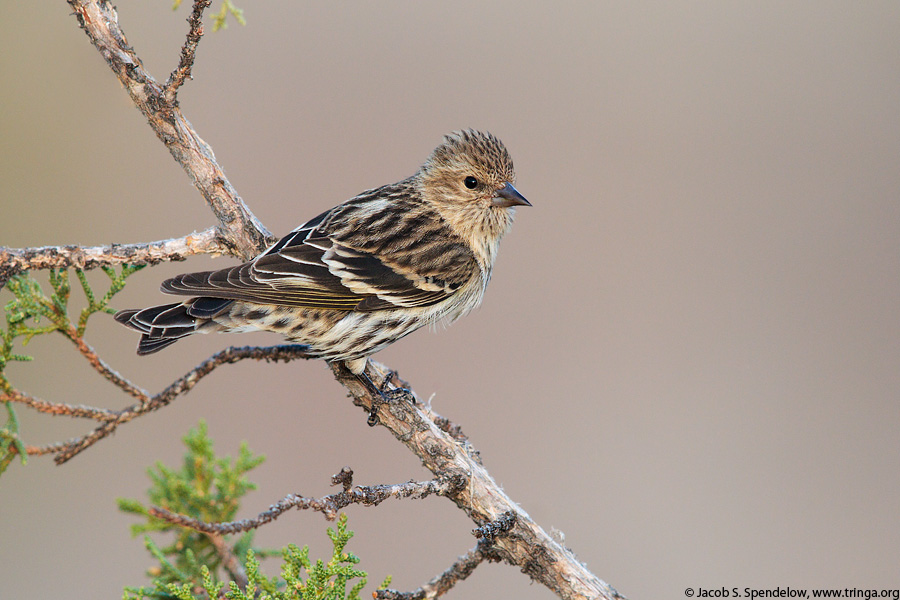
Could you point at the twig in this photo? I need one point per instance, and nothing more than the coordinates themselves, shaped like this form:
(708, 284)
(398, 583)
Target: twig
(16, 260)
(111, 419)
(180, 386)
(330, 505)
(440, 585)
(230, 561)
(463, 566)
(58, 408)
(244, 235)
(183, 71)
(344, 478)
(47, 449)
(104, 369)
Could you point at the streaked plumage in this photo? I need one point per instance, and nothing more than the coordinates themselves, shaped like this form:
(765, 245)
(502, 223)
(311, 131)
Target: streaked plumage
(365, 273)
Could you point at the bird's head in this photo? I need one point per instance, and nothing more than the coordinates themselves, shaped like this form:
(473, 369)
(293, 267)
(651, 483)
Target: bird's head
(471, 169)
(469, 180)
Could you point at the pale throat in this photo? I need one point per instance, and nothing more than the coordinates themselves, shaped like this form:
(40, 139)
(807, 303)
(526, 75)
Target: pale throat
(477, 222)
(483, 229)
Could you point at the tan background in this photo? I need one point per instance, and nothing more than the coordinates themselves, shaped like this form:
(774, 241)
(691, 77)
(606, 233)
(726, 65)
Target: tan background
(688, 357)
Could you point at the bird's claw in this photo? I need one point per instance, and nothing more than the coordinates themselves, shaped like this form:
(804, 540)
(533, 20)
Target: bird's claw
(384, 394)
(397, 393)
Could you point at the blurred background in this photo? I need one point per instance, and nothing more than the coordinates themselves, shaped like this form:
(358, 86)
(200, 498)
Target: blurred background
(687, 360)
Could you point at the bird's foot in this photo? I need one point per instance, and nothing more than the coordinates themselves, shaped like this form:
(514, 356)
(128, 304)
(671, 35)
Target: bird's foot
(397, 393)
(384, 394)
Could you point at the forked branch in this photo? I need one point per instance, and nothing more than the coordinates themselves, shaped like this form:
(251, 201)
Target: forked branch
(523, 542)
(330, 505)
(242, 232)
(110, 420)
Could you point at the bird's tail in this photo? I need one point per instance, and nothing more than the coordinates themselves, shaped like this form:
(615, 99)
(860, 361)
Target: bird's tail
(164, 325)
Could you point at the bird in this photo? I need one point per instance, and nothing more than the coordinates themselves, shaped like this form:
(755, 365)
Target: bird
(365, 273)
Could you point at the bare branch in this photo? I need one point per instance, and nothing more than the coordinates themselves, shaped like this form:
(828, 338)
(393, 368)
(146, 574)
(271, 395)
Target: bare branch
(525, 544)
(180, 386)
(463, 566)
(245, 236)
(58, 408)
(16, 260)
(440, 585)
(230, 561)
(104, 369)
(42, 450)
(367, 495)
(183, 71)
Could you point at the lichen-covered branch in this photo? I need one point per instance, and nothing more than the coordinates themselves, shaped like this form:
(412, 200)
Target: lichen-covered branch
(440, 585)
(16, 260)
(112, 419)
(104, 369)
(464, 565)
(525, 544)
(57, 408)
(244, 235)
(330, 505)
(183, 71)
(501, 525)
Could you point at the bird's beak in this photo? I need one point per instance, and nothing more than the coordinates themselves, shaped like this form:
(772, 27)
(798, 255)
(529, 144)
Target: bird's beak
(509, 196)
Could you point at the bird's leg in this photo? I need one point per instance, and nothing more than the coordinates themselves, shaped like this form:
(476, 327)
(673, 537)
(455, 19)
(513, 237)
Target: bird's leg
(382, 394)
(378, 397)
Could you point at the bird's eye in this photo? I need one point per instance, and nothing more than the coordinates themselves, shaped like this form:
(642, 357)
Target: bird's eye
(470, 182)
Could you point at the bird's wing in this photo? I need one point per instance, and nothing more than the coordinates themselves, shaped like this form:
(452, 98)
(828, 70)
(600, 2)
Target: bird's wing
(321, 265)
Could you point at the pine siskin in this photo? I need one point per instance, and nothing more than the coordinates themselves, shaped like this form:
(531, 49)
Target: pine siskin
(365, 273)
